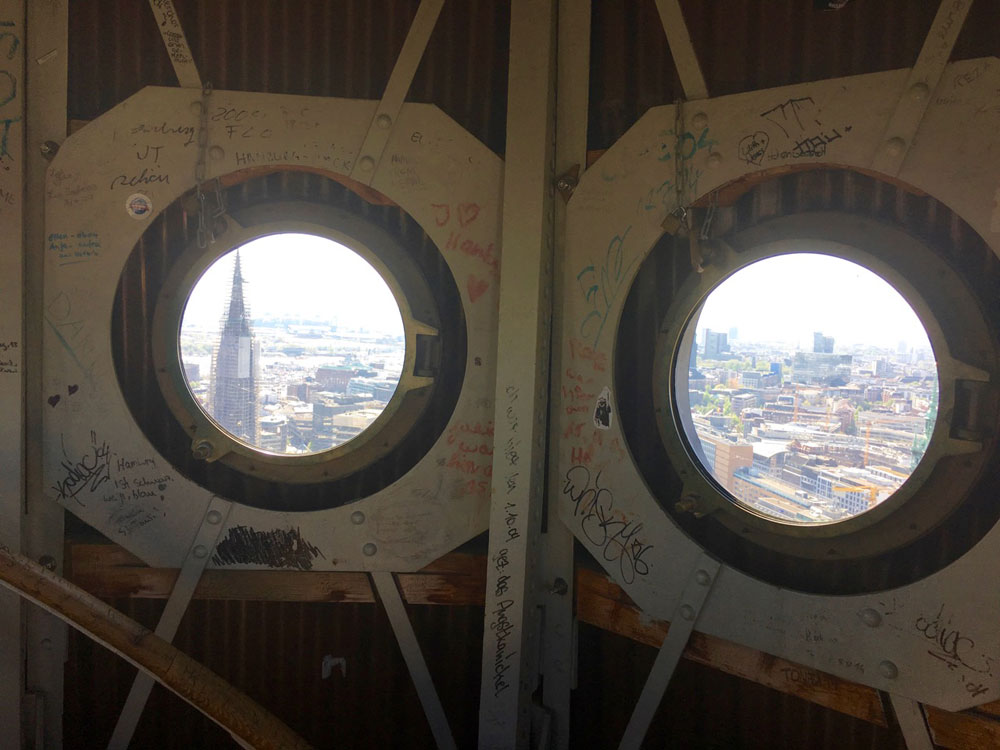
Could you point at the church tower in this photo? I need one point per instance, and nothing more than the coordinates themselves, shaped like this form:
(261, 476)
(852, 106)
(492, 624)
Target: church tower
(234, 368)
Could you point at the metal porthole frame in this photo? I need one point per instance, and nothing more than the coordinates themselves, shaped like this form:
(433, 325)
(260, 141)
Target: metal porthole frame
(946, 309)
(417, 310)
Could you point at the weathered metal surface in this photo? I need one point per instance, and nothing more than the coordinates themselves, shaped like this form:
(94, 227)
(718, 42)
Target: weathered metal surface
(11, 357)
(511, 635)
(446, 180)
(614, 219)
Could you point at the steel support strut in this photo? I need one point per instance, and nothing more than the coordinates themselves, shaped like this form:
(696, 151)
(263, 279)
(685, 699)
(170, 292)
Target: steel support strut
(510, 640)
(686, 613)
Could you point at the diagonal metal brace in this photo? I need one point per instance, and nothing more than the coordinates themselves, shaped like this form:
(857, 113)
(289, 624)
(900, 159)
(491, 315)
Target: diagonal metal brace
(193, 566)
(912, 722)
(681, 626)
(395, 91)
(176, 43)
(923, 79)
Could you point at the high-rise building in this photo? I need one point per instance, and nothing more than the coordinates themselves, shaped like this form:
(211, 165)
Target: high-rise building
(822, 344)
(234, 368)
(715, 344)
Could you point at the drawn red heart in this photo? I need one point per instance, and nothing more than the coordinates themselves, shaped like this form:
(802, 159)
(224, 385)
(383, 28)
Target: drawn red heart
(53, 400)
(72, 389)
(467, 213)
(476, 287)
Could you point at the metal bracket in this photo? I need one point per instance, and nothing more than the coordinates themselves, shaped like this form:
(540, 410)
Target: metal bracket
(194, 564)
(176, 43)
(421, 676)
(681, 49)
(681, 626)
(923, 79)
(395, 91)
(912, 722)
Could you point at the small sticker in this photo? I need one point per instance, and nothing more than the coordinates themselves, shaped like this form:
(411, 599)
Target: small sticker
(138, 206)
(602, 412)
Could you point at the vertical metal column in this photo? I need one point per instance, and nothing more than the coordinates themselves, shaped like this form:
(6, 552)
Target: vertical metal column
(46, 72)
(510, 640)
(11, 354)
(558, 657)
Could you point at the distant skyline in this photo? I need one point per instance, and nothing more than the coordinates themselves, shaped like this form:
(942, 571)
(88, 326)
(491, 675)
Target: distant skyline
(298, 276)
(790, 297)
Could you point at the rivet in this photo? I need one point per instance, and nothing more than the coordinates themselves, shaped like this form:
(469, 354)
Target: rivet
(702, 578)
(203, 449)
(714, 160)
(47, 561)
(217, 152)
(383, 121)
(369, 549)
(871, 618)
(888, 670)
(200, 551)
(895, 146)
(699, 121)
(357, 518)
(367, 164)
(687, 612)
(213, 517)
(919, 91)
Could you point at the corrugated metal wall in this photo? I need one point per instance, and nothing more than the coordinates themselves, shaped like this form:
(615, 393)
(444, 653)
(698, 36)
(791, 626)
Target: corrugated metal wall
(274, 651)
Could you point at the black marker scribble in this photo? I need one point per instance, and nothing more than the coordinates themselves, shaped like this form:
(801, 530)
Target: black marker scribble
(617, 538)
(953, 648)
(90, 472)
(280, 548)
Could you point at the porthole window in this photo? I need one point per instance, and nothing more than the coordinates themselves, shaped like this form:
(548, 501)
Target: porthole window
(316, 370)
(809, 392)
(807, 403)
(292, 344)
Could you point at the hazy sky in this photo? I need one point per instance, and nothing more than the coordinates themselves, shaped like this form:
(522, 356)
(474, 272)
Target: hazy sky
(789, 297)
(298, 275)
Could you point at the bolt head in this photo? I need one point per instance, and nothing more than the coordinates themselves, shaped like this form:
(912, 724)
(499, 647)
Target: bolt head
(888, 670)
(560, 587)
(699, 121)
(895, 146)
(200, 551)
(48, 562)
(369, 549)
(357, 518)
(49, 149)
(213, 517)
(702, 578)
(383, 121)
(871, 617)
(367, 164)
(687, 612)
(203, 449)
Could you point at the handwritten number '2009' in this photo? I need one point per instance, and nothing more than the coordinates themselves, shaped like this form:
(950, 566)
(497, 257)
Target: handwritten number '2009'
(617, 537)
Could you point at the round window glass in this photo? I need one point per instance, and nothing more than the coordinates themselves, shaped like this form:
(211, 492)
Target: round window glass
(810, 388)
(292, 343)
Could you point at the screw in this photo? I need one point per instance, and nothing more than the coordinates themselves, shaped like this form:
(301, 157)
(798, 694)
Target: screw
(49, 149)
(687, 612)
(702, 578)
(203, 449)
(559, 586)
(369, 549)
(48, 562)
(871, 618)
(383, 121)
(213, 517)
(888, 670)
(200, 551)
(357, 518)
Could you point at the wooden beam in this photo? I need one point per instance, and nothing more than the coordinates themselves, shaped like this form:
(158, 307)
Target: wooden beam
(109, 571)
